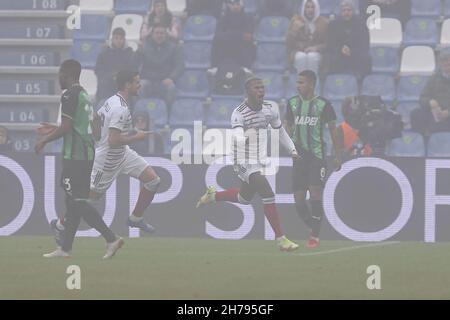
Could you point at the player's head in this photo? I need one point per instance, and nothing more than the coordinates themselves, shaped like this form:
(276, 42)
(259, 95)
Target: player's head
(118, 38)
(69, 73)
(159, 33)
(306, 83)
(128, 81)
(255, 90)
(347, 9)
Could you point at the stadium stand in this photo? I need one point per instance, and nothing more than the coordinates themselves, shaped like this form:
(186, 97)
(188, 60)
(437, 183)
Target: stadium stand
(340, 86)
(103, 7)
(177, 7)
(327, 7)
(390, 34)
(445, 34)
(140, 7)
(219, 113)
(428, 8)
(270, 57)
(379, 85)
(272, 29)
(418, 60)
(93, 27)
(405, 109)
(410, 87)
(439, 145)
(88, 80)
(385, 60)
(274, 84)
(411, 144)
(197, 54)
(199, 28)
(131, 23)
(421, 31)
(193, 84)
(86, 52)
(157, 110)
(185, 111)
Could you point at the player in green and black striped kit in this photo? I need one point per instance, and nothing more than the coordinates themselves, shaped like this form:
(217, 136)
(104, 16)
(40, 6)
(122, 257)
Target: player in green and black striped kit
(78, 156)
(306, 117)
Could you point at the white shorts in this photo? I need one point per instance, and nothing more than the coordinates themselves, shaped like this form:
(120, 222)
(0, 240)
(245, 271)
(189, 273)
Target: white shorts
(107, 168)
(244, 171)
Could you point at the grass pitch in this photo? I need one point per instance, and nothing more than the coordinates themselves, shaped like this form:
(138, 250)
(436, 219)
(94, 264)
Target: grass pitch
(166, 268)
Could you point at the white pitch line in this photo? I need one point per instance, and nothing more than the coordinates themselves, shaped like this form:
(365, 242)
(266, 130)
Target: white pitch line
(349, 248)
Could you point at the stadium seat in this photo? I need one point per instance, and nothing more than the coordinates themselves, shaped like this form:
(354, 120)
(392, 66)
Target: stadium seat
(199, 28)
(439, 145)
(97, 6)
(411, 144)
(385, 60)
(156, 108)
(274, 84)
(86, 52)
(93, 27)
(270, 57)
(25, 87)
(421, 31)
(419, 60)
(447, 8)
(327, 7)
(29, 30)
(193, 84)
(28, 58)
(88, 81)
(131, 23)
(251, 7)
(197, 54)
(177, 7)
(428, 8)
(272, 29)
(405, 109)
(219, 114)
(185, 111)
(379, 85)
(340, 86)
(291, 89)
(410, 87)
(445, 34)
(33, 5)
(140, 7)
(390, 34)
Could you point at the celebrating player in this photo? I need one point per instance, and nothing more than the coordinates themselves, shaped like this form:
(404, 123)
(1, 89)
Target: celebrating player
(78, 156)
(306, 116)
(253, 117)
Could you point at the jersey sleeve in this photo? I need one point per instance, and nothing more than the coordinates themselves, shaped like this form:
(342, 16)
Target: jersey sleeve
(275, 121)
(237, 121)
(328, 113)
(118, 119)
(69, 103)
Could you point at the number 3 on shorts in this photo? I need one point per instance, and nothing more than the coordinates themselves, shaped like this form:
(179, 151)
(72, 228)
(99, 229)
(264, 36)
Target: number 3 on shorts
(67, 185)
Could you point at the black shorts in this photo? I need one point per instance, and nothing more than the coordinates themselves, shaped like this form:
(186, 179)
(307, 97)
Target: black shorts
(76, 178)
(308, 171)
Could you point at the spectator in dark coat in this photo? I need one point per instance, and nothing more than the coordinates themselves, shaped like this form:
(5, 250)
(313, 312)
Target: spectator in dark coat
(434, 114)
(348, 43)
(161, 63)
(111, 60)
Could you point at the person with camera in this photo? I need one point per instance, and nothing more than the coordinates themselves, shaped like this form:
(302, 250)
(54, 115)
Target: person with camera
(306, 117)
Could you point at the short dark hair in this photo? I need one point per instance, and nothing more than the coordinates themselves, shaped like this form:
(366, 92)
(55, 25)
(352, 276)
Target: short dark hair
(250, 80)
(309, 75)
(119, 32)
(125, 76)
(71, 68)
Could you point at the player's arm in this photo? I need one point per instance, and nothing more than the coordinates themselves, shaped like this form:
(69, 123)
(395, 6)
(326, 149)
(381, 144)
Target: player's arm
(116, 137)
(289, 120)
(96, 125)
(58, 132)
(337, 143)
(285, 140)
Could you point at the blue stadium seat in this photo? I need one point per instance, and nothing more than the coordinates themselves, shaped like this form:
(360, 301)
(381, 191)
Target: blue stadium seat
(22, 87)
(33, 5)
(272, 29)
(86, 52)
(93, 27)
(340, 86)
(38, 58)
(29, 30)
(411, 144)
(327, 7)
(447, 8)
(421, 31)
(405, 109)
(219, 114)
(428, 8)
(185, 111)
(193, 84)
(270, 57)
(439, 145)
(199, 28)
(132, 6)
(273, 82)
(251, 7)
(385, 60)
(291, 89)
(197, 54)
(379, 85)
(410, 87)
(156, 108)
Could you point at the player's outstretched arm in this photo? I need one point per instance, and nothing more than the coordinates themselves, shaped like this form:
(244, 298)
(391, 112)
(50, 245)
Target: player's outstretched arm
(55, 133)
(286, 141)
(117, 139)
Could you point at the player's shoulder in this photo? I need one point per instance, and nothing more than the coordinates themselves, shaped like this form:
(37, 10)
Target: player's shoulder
(72, 92)
(323, 101)
(240, 108)
(117, 103)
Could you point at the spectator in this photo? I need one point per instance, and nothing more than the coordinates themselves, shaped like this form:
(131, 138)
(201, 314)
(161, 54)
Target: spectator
(204, 7)
(348, 43)
(399, 9)
(110, 61)
(5, 142)
(433, 116)
(160, 15)
(306, 37)
(160, 62)
(269, 8)
(154, 144)
(233, 49)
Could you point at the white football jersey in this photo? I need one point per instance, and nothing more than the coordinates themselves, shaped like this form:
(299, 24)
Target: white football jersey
(114, 113)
